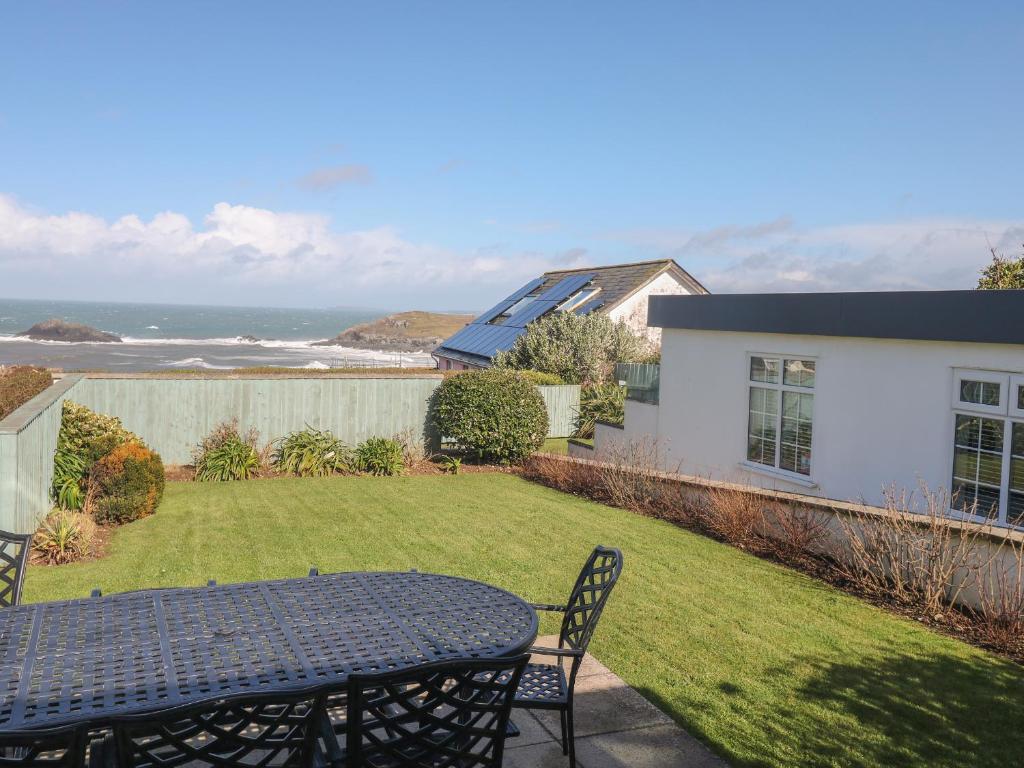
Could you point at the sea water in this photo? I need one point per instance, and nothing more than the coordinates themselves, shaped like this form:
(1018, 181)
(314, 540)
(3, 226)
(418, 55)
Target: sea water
(169, 336)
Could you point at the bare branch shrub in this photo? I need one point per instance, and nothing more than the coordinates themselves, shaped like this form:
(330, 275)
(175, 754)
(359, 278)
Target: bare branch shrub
(796, 532)
(735, 516)
(911, 554)
(1001, 597)
(576, 477)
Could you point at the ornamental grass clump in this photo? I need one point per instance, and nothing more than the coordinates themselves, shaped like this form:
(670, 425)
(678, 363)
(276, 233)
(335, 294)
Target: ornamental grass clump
(380, 456)
(493, 415)
(64, 537)
(312, 453)
(19, 384)
(225, 454)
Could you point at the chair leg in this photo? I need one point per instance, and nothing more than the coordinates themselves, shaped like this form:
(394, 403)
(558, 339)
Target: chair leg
(572, 737)
(565, 733)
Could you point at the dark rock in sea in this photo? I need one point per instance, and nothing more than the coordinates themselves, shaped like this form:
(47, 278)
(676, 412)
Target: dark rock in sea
(59, 330)
(248, 339)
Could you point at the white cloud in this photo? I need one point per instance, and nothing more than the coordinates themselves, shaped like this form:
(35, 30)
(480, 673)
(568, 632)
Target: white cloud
(244, 253)
(916, 254)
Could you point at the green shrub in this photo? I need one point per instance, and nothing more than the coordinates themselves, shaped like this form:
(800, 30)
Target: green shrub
(225, 454)
(19, 384)
(542, 378)
(312, 453)
(126, 484)
(579, 349)
(492, 415)
(380, 456)
(85, 437)
(604, 402)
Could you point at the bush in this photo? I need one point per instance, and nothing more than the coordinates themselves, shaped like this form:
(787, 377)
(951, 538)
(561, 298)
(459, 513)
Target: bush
(225, 454)
(579, 349)
(19, 384)
(380, 456)
(64, 537)
(126, 484)
(541, 378)
(84, 438)
(312, 453)
(600, 402)
(450, 464)
(495, 415)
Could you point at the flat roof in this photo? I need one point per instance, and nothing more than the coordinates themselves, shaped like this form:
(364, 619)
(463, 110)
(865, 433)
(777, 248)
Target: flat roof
(989, 317)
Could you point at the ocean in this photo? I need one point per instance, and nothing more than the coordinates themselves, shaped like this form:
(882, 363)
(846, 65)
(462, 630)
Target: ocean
(168, 336)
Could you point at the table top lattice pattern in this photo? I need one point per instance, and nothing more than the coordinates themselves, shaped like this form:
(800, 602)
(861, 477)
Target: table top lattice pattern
(92, 659)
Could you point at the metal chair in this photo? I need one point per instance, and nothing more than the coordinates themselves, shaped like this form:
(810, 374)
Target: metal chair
(441, 714)
(14, 549)
(550, 686)
(252, 731)
(62, 747)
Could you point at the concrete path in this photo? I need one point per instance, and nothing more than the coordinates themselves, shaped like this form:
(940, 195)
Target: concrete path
(616, 727)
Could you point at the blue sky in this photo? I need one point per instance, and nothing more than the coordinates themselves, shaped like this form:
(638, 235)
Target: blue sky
(435, 154)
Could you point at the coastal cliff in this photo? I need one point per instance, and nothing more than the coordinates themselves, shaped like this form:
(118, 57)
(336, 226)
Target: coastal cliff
(402, 332)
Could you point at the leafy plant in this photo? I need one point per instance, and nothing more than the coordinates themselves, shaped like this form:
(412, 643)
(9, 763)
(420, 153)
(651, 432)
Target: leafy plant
(312, 453)
(84, 438)
(542, 378)
(380, 456)
(225, 454)
(1002, 273)
(64, 537)
(19, 384)
(451, 464)
(602, 402)
(126, 484)
(494, 415)
(579, 349)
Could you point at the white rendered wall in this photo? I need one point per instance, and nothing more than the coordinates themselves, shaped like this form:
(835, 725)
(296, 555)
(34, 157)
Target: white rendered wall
(633, 311)
(882, 409)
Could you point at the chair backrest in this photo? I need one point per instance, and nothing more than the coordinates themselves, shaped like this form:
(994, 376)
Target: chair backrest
(43, 748)
(445, 713)
(595, 583)
(251, 731)
(14, 549)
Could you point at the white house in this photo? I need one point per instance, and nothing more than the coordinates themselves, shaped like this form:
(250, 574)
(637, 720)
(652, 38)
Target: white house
(841, 395)
(620, 291)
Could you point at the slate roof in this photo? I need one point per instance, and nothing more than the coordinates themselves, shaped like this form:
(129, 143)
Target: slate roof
(478, 342)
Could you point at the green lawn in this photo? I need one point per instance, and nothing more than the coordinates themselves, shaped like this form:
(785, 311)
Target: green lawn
(767, 666)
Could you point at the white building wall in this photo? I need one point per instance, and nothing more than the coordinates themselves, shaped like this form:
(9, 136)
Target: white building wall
(882, 409)
(633, 311)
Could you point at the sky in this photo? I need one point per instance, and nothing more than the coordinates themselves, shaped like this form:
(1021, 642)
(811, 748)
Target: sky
(436, 155)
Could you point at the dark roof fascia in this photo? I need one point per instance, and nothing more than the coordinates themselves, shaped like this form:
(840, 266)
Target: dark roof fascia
(983, 317)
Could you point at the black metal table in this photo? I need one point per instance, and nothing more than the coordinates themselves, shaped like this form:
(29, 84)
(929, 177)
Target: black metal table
(87, 660)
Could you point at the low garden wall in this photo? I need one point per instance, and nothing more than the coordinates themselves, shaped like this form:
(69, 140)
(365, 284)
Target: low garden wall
(28, 439)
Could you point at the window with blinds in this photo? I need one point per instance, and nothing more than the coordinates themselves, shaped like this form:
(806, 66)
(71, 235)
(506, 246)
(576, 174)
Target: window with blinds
(988, 446)
(780, 408)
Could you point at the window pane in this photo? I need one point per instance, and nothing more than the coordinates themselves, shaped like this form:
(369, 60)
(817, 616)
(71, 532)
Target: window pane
(761, 437)
(1015, 500)
(980, 392)
(795, 440)
(977, 465)
(1020, 398)
(799, 373)
(764, 369)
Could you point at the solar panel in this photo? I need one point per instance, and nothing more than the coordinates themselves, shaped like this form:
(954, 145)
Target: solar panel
(566, 287)
(589, 306)
(508, 302)
(530, 313)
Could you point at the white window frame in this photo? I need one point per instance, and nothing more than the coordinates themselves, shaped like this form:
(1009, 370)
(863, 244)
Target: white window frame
(990, 377)
(1016, 382)
(1008, 413)
(774, 469)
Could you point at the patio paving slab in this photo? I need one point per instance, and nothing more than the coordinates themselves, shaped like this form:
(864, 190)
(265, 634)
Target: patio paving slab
(616, 727)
